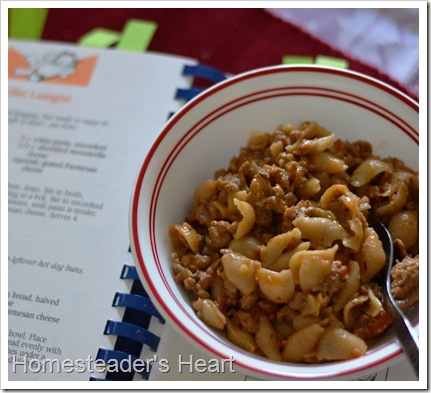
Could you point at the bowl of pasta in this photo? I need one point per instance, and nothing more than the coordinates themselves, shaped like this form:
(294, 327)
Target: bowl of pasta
(248, 221)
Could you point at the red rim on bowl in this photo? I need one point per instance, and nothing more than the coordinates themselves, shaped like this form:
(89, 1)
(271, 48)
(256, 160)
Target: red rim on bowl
(301, 90)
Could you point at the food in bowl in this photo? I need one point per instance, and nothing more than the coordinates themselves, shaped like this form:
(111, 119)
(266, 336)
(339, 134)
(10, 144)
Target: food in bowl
(278, 252)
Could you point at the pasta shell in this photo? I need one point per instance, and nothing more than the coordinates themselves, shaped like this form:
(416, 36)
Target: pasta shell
(327, 163)
(247, 245)
(175, 237)
(276, 148)
(248, 218)
(218, 290)
(240, 271)
(404, 226)
(209, 313)
(354, 242)
(302, 321)
(313, 272)
(240, 337)
(309, 189)
(240, 195)
(331, 194)
(220, 210)
(349, 315)
(371, 255)
(189, 236)
(301, 343)
(374, 305)
(311, 306)
(353, 204)
(300, 256)
(267, 339)
(283, 261)
(205, 191)
(320, 231)
(286, 128)
(350, 287)
(334, 321)
(322, 143)
(313, 129)
(258, 141)
(398, 191)
(276, 286)
(277, 244)
(339, 344)
(367, 170)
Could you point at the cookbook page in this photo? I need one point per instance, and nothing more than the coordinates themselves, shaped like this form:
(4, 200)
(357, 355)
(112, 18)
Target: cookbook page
(80, 123)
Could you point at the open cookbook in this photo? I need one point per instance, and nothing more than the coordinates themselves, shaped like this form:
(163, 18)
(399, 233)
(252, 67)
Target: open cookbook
(81, 122)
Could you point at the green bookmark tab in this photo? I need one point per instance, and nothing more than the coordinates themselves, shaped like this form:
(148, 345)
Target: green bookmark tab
(332, 61)
(137, 35)
(99, 38)
(297, 60)
(27, 23)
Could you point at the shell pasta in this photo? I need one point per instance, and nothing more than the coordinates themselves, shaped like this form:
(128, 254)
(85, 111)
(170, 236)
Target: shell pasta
(277, 251)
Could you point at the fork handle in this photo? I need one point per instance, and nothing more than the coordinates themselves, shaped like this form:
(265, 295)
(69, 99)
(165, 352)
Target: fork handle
(409, 341)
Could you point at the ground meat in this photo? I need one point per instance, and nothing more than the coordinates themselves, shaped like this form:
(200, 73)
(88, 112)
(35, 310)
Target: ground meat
(220, 233)
(194, 262)
(291, 213)
(336, 280)
(264, 220)
(205, 280)
(351, 153)
(369, 327)
(192, 276)
(297, 302)
(201, 214)
(231, 291)
(276, 175)
(265, 307)
(248, 301)
(399, 250)
(246, 321)
(297, 172)
(184, 275)
(270, 190)
(405, 282)
(286, 313)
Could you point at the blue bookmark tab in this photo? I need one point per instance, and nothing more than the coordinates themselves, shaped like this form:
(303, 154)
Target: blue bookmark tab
(188, 94)
(206, 72)
(133, 332)
(127, 360)
(97, 379)
(129, 272)
(136, 302)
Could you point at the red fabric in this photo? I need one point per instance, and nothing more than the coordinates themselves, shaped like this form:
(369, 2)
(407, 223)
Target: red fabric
(232, 39)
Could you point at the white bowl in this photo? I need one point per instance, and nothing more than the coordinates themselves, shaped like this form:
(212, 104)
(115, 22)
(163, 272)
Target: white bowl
(207, 132)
